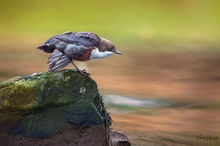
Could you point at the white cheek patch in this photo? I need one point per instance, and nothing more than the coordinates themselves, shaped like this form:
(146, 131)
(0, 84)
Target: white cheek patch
(95, 54)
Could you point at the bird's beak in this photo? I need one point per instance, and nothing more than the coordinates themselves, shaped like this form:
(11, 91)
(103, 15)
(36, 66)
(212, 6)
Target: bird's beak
(118, 52)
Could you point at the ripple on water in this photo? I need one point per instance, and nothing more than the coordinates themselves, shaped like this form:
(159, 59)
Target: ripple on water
(121, 104)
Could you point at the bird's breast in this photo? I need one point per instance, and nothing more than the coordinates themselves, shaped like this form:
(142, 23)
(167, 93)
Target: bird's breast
(96, 54)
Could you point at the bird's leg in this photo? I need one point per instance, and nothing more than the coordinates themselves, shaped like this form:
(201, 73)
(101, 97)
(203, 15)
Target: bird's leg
(81, 71)
(54, 63)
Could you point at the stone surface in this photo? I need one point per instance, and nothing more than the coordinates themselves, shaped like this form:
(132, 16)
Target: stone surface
(118, 138)
(40, 104)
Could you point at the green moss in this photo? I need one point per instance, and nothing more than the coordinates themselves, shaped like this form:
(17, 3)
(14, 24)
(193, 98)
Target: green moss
(17, 96)
(64, 87)
(54, 88)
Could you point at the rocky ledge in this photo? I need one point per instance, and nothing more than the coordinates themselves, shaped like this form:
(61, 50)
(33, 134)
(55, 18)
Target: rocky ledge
(54, 108)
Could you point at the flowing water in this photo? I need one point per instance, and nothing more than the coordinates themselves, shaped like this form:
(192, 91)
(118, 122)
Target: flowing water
(150, 121)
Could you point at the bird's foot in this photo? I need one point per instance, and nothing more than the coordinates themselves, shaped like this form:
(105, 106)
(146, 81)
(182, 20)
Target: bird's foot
(82, 72)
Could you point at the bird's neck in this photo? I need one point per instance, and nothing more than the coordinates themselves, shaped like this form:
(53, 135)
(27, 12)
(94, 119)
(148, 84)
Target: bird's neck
(96, 54)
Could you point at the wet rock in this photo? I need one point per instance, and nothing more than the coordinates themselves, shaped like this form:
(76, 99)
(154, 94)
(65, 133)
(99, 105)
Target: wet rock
(40, 104)
(118, 138)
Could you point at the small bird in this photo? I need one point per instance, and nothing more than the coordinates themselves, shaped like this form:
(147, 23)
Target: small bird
(80, 46)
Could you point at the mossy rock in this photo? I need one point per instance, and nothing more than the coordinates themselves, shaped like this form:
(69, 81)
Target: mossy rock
(40, 104)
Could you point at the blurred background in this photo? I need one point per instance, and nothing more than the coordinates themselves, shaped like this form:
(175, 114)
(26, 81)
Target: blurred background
(163, 90)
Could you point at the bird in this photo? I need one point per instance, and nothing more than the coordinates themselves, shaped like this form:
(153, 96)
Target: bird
(80, 46)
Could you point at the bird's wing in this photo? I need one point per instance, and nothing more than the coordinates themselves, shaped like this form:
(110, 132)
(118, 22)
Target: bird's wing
(86, 39)
(68, 37)
(57, 61)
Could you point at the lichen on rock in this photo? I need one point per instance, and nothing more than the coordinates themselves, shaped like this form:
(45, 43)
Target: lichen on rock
(40, 104)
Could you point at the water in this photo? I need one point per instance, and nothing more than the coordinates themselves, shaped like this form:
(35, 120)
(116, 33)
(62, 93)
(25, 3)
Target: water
(157, 122)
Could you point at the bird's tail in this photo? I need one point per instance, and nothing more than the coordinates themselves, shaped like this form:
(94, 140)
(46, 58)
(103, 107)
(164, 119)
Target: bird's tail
(46, 48)
(57, 61)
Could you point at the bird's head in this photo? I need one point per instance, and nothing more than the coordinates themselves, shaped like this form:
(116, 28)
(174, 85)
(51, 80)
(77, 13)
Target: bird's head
(106, 45)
